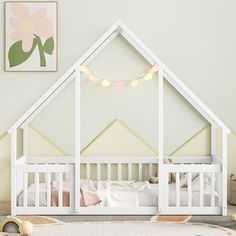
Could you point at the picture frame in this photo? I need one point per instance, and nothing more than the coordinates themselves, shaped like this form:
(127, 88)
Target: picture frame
(31, 36)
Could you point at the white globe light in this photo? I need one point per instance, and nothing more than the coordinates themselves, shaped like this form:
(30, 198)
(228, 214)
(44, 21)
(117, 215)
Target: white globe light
(148, 76)
(84, 69)
(106, 83)
(134, 83)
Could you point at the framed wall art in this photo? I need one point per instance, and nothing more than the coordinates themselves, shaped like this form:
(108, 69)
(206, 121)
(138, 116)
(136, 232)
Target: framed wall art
(31, 36)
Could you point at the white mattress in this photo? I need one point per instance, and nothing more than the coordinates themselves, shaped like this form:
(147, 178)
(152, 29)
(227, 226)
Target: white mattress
(127, 194)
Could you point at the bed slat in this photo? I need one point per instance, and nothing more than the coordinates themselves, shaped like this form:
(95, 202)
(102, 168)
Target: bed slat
(189, 189)
(201, 188)
(213, 189)
(72, 188)
(36, 182)
(177, 189)
(48, 179)
(25, 189)
(60, 189)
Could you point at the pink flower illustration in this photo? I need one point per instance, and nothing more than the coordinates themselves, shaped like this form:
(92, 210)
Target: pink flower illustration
(27, 25)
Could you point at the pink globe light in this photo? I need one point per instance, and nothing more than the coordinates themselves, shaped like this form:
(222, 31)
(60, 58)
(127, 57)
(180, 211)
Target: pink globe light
(120, 84)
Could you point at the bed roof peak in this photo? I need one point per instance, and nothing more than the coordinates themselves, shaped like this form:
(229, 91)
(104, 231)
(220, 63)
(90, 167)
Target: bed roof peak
(120, 28)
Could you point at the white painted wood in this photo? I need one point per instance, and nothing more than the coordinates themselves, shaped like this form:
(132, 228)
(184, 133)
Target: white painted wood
(36, 182)
(98, 171)
(42, 210)
(25, 191)
(213, 189)
(188, 159)
(160, 114)
(21, 160)
(60, 189)
(129, 171)
(224, 173)
(119, 171)
(88, 170)
(118, 159)
(162, 201)
(109, 171)
(26, 140)
(88, 210)
(163, 71)
(192, 168)
(201, 189)
(213, 140)
(13, 171)
(192, 211)
(177, 191)
(189, 189)
(48, 182)
(166, 189)
(72, 187)
(118, 211)
(77, 140)
(43, 168)
(50, 159)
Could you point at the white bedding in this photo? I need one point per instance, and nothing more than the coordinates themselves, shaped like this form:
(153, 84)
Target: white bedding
(128, 194)
(140, 194)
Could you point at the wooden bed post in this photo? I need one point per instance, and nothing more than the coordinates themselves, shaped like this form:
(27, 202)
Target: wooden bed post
(77, 139)
(160, 138)
(224, 173)
(13, 171)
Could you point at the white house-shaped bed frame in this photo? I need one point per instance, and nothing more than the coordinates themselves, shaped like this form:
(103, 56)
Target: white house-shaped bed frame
(20, 167)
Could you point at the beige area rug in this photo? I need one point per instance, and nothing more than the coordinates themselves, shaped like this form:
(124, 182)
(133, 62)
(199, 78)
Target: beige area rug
(131, 229)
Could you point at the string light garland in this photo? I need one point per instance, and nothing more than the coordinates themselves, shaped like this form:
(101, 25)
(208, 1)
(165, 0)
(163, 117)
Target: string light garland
(118, 83)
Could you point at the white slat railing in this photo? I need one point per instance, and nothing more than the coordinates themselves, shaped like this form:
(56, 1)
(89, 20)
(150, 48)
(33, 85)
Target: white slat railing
(189, 189)
(36, 182)
(204, 176)
(45, 174)
(119, 166)
(177, 189)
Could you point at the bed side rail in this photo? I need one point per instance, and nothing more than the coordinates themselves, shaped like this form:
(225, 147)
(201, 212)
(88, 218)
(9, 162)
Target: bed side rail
(198, 182)
(40, 178)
